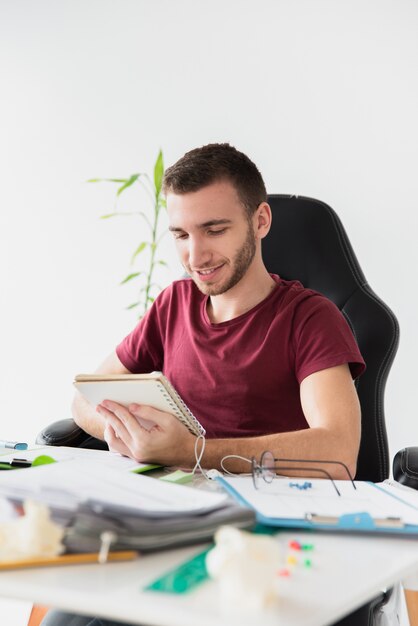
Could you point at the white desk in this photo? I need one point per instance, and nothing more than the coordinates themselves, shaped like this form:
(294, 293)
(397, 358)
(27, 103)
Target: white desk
(346, 572)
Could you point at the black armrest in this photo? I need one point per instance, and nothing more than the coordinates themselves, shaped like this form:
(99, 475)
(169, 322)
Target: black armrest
(67, 433)
(405, 467)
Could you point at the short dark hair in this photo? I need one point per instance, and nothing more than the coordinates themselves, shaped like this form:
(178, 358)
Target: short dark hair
(212, 163)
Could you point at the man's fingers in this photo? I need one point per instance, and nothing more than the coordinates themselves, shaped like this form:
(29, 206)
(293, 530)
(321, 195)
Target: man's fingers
(128, 427)
(115, 444)
(142, 432)
(117, 423)
(118, 409)
(148, 415)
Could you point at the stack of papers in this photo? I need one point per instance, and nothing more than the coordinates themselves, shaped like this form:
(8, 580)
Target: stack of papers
(91, 491)
(105, 477)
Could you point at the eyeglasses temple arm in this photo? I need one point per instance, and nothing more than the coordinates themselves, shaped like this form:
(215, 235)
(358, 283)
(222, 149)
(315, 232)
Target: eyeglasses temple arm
(311, 469)
(318, 461)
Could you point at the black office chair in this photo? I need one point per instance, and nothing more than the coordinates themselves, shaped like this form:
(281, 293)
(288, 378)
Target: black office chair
(308, 242)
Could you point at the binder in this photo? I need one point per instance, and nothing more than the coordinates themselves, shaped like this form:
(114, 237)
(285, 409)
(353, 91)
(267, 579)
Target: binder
(147, 532)
(152, 389)
(398, 504)
(95, 494)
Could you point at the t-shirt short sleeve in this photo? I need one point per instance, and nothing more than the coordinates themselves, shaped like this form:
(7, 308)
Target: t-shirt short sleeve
(323, 339)
(142, 350)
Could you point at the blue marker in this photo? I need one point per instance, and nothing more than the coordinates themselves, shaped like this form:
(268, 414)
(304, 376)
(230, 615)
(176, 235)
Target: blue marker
(13, 445)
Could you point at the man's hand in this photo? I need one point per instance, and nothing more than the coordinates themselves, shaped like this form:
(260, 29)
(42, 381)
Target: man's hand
(147, 435)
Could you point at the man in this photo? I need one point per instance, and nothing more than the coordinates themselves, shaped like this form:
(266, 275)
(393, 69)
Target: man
(263, 364)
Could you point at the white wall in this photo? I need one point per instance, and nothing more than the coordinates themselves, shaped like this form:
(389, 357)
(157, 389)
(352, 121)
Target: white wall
(322, 94)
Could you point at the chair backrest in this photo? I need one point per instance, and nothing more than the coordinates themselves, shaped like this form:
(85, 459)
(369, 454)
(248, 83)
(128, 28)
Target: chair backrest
(307, 242)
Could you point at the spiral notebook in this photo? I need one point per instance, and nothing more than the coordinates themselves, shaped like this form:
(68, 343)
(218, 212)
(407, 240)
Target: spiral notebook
(152, 389)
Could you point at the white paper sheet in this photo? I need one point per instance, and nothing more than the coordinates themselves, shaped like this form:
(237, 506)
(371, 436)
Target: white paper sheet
(64, 453)
(71, 481)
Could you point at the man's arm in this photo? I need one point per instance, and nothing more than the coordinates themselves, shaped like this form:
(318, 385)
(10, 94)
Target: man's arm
(331, 407)
(84, 414)
(330, 404)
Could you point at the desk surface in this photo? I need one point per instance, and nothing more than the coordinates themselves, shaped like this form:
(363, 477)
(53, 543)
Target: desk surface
(346, 572)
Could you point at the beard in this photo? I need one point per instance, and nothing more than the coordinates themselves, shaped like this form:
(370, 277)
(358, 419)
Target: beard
(240, 264)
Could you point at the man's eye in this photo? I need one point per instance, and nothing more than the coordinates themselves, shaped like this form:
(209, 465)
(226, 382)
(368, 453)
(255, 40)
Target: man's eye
(180, 235)
(220, 231)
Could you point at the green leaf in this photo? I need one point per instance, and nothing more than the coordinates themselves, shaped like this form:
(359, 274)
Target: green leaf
(128, 183)
(139, 249)
(150, 299)
(158, 172)
(161, 262)
(163, 203)
(105, 217)
(130, 277)
(133, 305)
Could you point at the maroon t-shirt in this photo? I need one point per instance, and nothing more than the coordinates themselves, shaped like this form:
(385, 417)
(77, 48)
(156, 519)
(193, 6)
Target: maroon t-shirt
(241, 377)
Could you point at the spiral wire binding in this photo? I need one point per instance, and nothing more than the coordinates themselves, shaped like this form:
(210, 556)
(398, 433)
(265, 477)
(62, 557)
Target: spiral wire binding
(181, 409)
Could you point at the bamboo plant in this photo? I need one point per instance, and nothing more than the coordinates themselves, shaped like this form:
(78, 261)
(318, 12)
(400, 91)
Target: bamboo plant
(147, 251)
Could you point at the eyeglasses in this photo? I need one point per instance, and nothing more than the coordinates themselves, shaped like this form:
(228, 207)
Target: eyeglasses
(267, 468)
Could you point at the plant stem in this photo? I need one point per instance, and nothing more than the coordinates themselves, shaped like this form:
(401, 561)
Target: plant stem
(153, 250)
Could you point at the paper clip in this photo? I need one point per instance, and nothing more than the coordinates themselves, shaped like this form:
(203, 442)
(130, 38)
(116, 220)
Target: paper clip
(106, 539)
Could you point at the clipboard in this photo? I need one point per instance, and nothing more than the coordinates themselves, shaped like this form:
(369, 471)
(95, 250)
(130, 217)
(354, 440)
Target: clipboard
(391, 499)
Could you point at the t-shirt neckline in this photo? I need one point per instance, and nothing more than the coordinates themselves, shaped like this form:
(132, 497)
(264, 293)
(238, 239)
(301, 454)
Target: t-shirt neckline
(239, 318)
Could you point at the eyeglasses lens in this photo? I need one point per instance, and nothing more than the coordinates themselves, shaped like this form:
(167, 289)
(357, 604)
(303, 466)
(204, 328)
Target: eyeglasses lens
(267, 466)
(256, 472)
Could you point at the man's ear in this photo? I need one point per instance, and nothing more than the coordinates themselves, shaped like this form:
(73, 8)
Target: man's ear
(262, 220)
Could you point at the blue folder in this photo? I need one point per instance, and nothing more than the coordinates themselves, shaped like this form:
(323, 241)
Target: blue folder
(359, 522)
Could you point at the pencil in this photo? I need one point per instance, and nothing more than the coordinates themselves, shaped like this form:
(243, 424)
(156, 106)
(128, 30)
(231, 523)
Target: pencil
(68, 559)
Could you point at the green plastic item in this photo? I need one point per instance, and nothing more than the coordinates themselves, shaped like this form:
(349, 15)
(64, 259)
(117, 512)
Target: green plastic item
(145, 468)
(193, 572)
(183, 578)
(7, 466)
(179, 477)
(42, 459)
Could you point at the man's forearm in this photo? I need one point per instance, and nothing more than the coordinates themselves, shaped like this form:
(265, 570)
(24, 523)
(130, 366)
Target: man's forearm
(311, 444)
(170, 443)
(86, 416)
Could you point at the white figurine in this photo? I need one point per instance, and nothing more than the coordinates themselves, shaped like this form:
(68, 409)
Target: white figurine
(32, 535)
(245, 566)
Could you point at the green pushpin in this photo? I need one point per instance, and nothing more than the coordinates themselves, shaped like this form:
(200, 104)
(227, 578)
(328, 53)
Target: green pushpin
(307, 546)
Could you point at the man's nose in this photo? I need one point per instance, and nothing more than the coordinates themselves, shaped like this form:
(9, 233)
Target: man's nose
(199, 255)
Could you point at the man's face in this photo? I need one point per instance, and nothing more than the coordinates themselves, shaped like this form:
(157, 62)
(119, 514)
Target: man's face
(214, 236)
